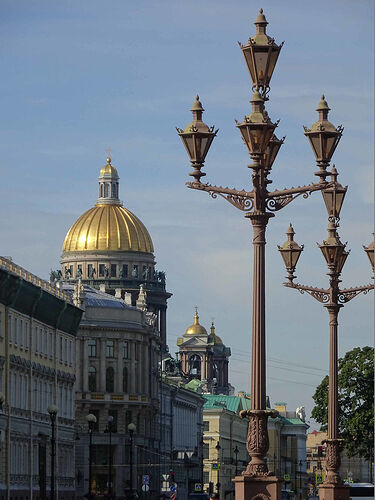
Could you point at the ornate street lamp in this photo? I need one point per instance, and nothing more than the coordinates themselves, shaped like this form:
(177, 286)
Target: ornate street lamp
(261, 54)
(53, 410)
(332, 298)
(91, 420)
(323, 137)
(236, 452)
(370, 253)
(131, 428)
(290, 252)
(259, 205)
(334, 196)
(197, 138)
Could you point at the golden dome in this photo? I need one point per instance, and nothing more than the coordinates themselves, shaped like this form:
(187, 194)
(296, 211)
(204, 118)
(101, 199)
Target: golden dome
(108, 227)
(196, 328)
(108, 170)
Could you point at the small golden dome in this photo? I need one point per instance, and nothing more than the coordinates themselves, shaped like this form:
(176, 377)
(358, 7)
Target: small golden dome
(108, 170)
(196, 328)
(108, 227)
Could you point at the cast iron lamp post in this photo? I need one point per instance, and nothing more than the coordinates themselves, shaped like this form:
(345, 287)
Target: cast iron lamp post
(91, 420)
(259, 205)
(109, 430)
(131, 428)
(53, 410)
(236, 452)
(332, 298)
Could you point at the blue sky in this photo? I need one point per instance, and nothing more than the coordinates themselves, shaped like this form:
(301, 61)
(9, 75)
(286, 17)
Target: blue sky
(81, 76)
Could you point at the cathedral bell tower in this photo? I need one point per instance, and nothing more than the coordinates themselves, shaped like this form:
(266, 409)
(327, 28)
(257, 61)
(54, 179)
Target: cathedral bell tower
(204, 357)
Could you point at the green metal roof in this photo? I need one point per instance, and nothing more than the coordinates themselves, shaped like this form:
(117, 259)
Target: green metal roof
(294, 421)
(231, 403)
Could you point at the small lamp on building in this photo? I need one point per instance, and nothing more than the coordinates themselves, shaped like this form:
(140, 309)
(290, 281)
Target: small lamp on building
(53, 410)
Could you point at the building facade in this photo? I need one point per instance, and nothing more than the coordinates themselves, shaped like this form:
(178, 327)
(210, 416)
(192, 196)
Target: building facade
(118, 351)
(38, 325)
(224, 448)
(181, 424)
(225, 453)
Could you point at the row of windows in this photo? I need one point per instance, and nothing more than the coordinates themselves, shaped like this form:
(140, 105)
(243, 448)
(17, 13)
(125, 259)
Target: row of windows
(109, 379)
(144, 423)
(19, 331)
(43, 340)
(43, 395)
(113, 271)
(108, 189)
(20, 463)
(109, 349)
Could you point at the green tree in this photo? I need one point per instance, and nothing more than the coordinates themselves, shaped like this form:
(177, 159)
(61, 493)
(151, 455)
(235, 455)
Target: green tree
(355, 400)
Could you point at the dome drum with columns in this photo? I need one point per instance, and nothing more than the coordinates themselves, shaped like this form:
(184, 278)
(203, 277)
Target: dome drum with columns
(109, 248)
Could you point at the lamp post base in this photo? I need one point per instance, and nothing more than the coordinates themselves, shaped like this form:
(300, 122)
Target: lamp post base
(257, 488)
(334, 492)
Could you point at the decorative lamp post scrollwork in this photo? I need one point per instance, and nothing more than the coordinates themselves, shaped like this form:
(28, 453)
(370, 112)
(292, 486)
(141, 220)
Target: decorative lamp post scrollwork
(332, 298)
(259, 204)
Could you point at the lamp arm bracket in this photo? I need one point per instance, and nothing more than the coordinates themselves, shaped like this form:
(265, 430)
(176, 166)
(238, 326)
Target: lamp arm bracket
(280, 198)
(243, 200)
(310, 188)
(320, 294)
(348, 294)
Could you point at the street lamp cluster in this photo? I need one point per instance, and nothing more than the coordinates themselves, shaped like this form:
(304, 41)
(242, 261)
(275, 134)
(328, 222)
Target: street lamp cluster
(259, 204)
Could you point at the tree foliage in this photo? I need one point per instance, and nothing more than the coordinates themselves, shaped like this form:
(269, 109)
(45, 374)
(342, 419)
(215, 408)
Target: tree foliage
(355, 401)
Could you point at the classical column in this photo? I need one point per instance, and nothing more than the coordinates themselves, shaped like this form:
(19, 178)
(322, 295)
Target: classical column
(132, 374)
(120, 366)
(102, 365)
(163, 325)
(82, 352)
(146, 369)
(204, 367)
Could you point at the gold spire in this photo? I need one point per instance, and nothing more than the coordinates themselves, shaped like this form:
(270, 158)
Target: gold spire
(108, 170)
(196, 328)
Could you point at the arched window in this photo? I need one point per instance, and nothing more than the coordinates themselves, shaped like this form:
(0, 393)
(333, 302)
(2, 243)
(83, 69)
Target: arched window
(101, 190)
(92, 379)
(110, 379)
(125, 380)
(195, 366)
(106, 190)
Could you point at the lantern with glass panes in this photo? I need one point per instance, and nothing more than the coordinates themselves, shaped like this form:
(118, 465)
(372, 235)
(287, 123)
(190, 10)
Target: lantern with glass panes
(261, 54)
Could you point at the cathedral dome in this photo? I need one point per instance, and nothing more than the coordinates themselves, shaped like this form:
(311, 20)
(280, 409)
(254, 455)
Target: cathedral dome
(196, 328)
(107, 227)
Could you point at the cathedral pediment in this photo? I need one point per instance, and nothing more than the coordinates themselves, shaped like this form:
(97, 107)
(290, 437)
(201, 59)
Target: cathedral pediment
(194, 341)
